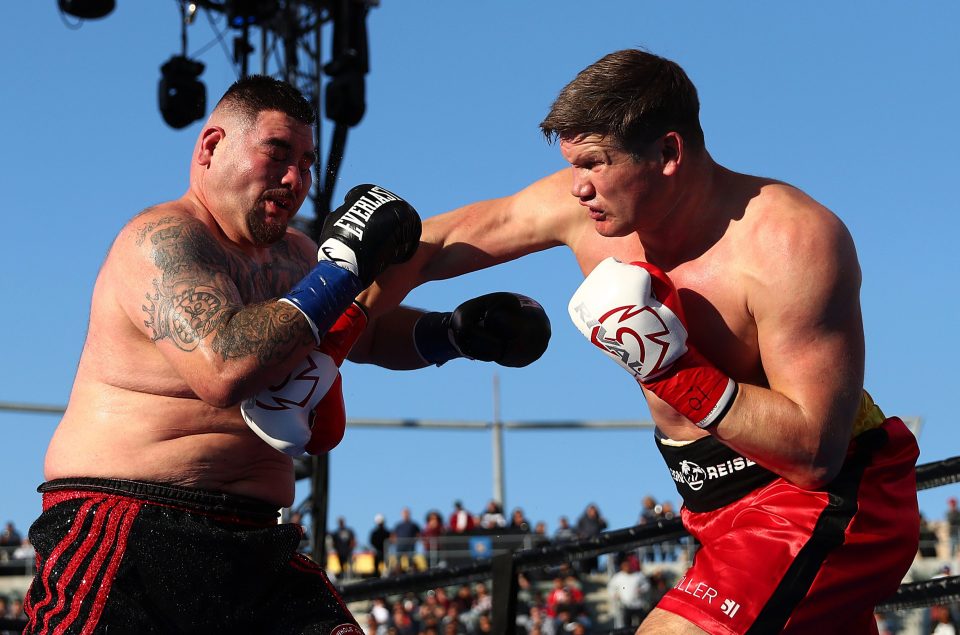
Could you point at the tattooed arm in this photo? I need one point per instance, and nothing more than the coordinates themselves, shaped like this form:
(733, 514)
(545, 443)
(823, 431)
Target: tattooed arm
(197, 301)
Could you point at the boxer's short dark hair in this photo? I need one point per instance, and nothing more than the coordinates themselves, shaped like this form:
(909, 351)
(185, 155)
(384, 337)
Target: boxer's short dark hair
(631, 96)
(249, 96)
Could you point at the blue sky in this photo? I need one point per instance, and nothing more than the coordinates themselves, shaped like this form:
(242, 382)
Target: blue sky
(854, 102)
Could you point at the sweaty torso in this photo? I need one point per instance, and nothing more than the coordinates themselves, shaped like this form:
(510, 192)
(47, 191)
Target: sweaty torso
(131, 416)
(715, 288)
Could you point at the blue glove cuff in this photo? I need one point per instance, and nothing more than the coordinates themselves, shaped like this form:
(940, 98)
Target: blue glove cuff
(323, 295)
(431, 337)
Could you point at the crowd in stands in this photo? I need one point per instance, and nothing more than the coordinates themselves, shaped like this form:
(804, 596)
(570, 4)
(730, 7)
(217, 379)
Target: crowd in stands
(15, 549)
(394, 548)
(551, 601)
(16, 556)
(553, 607)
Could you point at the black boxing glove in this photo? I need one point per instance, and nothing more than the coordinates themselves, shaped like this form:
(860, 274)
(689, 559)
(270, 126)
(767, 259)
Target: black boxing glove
(373, 229)
(507, 328)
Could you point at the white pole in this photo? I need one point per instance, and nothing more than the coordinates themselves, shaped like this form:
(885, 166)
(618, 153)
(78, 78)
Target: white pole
(498, 480)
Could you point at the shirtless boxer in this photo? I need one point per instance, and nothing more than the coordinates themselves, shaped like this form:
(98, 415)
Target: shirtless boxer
(160, 506)
(741, 323)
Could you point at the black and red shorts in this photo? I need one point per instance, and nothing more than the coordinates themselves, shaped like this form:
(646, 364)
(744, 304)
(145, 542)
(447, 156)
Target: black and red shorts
(778, 558)
(131, 557)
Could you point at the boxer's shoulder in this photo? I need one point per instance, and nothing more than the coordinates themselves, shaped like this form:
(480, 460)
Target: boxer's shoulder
(159, 224)
(780, 212)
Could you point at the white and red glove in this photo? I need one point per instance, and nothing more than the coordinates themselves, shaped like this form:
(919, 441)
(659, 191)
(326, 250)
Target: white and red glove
(305, 412)
(632, 312)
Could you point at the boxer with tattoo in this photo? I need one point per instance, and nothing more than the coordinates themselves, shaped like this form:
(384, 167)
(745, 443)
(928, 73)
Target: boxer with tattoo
(160, 508)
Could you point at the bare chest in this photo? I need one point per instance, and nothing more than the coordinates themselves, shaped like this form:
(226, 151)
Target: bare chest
(259, 282)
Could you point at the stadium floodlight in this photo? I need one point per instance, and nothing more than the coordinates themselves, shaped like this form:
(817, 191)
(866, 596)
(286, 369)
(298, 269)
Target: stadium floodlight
(241, 13)
(87, 9)
(183, 97)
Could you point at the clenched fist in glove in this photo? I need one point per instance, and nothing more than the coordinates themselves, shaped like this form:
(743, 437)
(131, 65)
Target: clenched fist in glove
(305, 412)
(373, 229)
(507, 328)
(632, 313)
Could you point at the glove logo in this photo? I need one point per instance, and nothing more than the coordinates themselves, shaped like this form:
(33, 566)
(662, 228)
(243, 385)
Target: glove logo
(299, 387)
(354, 220)
(636, 331)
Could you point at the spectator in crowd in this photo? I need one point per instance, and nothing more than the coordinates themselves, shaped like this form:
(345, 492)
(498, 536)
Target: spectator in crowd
(430, 610)
(380, 614)
(404, 537)
(430, 535)
(452, 624)
(565, 597)
(564, 533)
(536, 621)
(540, 536)
(15, 612)
(928, 539)
(442, 598)
(942, 621)
(463, 598)
(379, 536)
(668, 548)
(953, 526)
(590, 525)
(344, 542)
(482, 600)
(629, 593)
(402, 620)
(649, 513)
(461, 520)
(660, 582)
(24, 551)
(296, 518)
(370, 626)
(519, 522)
(888, 623)
(492, 517)
(9, 539)
(484, 624)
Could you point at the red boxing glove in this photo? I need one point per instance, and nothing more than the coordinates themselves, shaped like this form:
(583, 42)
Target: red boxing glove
(305, 412)
(328, 420)
(633, 313)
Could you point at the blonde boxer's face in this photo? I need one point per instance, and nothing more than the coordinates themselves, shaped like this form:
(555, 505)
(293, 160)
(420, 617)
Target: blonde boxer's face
(621, 193)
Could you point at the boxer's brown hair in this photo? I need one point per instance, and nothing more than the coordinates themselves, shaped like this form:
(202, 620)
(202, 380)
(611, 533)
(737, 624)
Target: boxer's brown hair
(631, 96)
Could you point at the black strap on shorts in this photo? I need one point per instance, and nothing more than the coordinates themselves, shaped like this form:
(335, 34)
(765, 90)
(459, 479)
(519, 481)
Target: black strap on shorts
(202, 501)
(708, 474)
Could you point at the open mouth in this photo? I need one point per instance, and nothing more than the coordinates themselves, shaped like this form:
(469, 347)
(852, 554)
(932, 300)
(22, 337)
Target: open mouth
(278, 203)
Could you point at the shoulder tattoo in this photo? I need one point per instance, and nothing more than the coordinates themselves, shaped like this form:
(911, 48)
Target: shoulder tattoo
(196, 296)
(189, 299)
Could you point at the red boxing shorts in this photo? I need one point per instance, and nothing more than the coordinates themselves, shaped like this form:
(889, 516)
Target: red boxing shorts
(129, 557)
(778, 558)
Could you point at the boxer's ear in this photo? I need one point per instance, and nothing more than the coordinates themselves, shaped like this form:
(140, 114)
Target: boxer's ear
(671, 153)
(209, 139)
